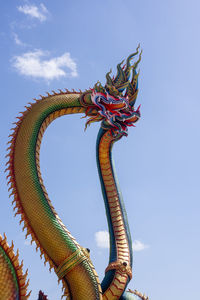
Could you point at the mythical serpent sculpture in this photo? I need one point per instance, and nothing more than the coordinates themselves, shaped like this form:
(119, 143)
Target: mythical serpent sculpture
(114, 106)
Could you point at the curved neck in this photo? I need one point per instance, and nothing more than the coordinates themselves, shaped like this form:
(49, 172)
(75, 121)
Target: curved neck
(32, 203)
(120, 238)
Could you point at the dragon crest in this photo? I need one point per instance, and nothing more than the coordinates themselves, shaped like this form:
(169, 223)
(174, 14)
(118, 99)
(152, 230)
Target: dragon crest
(115, 101)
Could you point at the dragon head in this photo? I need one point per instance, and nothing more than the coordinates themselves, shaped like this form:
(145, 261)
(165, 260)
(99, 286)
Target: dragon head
(114, 103)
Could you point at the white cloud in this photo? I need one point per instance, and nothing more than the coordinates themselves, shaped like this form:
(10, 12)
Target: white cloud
(39, 12)
(34, 65)
(102, 239)
(17, 40)
(139, 246)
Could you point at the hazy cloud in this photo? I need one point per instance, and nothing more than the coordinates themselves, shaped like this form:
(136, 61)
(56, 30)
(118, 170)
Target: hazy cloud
(34, 65)
(139, 246)
(17, 40)
(39, 12)
(102, 241)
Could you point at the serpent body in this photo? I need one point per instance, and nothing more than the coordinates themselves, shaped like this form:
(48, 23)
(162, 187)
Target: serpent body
(70, 261)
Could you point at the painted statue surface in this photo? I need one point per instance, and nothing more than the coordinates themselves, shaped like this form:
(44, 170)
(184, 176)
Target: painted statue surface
(114, 106)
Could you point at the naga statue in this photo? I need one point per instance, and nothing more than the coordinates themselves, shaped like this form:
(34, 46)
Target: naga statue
(113, 105)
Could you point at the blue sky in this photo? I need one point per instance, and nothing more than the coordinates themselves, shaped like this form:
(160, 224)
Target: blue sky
(50, 45)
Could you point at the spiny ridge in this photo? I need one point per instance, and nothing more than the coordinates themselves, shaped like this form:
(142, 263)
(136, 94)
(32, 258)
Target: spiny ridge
(12, 184)
(14, 259)
(12, 187)
(142, 296)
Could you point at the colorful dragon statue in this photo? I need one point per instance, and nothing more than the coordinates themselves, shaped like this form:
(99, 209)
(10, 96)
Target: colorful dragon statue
(113, 105)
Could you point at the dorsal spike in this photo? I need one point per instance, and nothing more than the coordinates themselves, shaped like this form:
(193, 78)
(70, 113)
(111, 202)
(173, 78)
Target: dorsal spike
(5, 237)
(22, 263)
(12, 245)
(28, 295)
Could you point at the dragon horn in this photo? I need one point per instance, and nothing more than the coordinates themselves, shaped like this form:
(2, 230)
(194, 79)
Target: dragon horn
(137, 62)
(109, 80)
(128, 65)
(120, 77)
